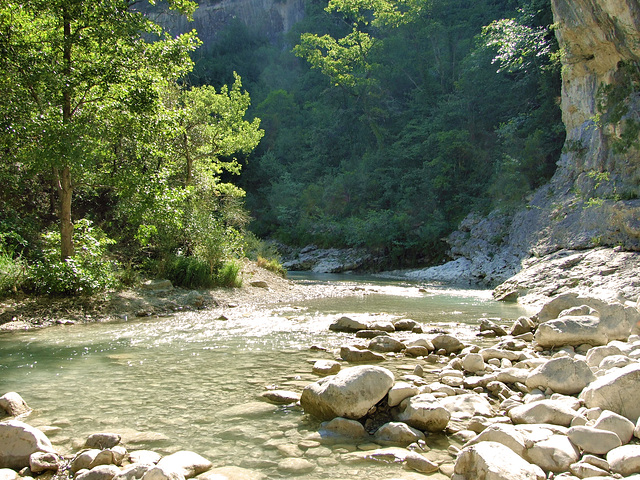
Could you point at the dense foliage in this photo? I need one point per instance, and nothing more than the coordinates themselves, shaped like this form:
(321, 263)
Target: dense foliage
(385, 122)
(105, 150)
(390, 121)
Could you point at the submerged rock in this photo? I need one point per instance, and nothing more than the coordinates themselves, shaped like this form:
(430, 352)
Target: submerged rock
(353, 354)
(281, 397)
(232, 473)
(186, 463)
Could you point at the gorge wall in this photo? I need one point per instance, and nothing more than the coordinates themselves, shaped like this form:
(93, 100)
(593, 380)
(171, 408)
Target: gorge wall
(267, 17)
(593, 199)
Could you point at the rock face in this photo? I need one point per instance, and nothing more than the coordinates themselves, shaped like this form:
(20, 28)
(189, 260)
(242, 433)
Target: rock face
(598, 37)
(331, 260)
(593, 200)
(349, 394)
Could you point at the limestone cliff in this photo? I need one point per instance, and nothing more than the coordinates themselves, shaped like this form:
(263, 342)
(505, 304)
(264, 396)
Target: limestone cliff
(593, 199)
(268, 17)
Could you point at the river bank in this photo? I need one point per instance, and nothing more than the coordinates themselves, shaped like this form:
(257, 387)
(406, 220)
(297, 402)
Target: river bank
(260, 287)
(609, 274)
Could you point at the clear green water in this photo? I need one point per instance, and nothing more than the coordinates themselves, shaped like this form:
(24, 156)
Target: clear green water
(180, 382)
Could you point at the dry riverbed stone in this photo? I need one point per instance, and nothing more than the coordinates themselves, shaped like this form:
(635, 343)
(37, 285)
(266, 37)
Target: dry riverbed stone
(494, 461)
(349, 394)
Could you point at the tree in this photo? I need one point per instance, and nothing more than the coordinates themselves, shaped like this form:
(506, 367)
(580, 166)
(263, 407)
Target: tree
(68, 70)
(213, 129)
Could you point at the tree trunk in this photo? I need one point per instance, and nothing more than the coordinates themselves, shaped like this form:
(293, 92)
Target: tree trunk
(185, 140)
(65, 189)
(66, 226)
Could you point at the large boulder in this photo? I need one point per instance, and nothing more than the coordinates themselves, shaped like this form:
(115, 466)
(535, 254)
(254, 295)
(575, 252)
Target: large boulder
(616, 391)
(593, 440)
(350, 393)
(554, 454)
(562, 375)
(625, 460)
(494, 461)
(571, 330)
(592, 319)
(617, 424)
(18, 441)
(505, 434)
(466, 406)
(554, 412)
(13, 404)
(448, 343)
(424, 412)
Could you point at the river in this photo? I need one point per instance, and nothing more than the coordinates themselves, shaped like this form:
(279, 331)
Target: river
(192, 381)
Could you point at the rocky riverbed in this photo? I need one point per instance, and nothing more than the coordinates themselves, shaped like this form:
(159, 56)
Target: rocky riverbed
(546, 396)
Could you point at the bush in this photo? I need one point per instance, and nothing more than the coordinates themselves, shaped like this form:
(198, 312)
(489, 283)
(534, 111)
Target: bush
(272, 265)
(188, 272)
(12, 274)
(229, 275)
(89, 271)
(193, 272)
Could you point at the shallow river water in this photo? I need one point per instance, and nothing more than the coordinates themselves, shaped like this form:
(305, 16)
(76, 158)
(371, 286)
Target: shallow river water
(192, 381)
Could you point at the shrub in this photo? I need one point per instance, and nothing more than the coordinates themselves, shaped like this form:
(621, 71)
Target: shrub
(188, 272)
(272, 265)
(89, 271)
(193, 272)
(229, 275)
(12, 274)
